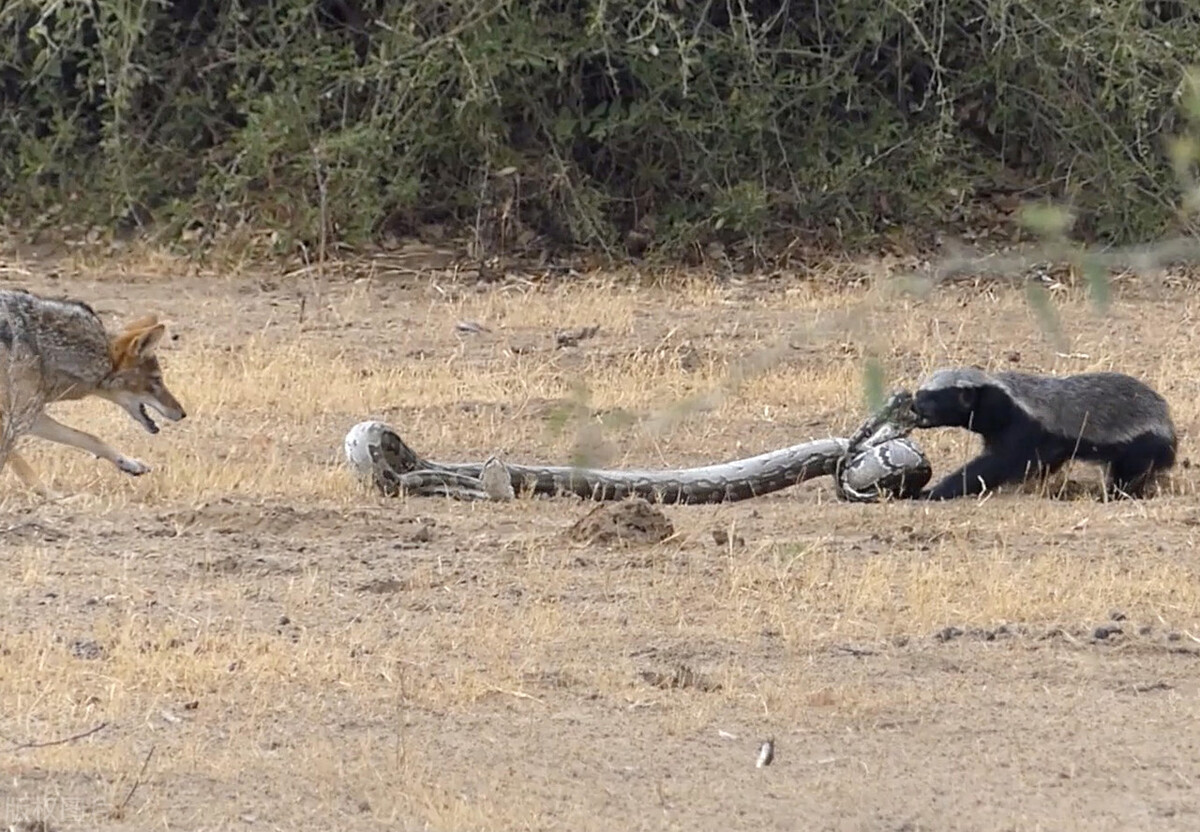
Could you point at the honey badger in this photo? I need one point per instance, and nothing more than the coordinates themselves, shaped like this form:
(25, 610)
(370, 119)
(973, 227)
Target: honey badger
(1032, 424)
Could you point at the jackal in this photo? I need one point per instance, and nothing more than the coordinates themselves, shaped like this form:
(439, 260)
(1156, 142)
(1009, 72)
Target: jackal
(58, 350)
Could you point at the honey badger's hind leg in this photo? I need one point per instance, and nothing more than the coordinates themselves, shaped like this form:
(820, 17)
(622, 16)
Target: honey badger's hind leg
(1133, 465)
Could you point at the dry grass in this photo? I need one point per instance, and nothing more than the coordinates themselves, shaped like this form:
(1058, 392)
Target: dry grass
(298, 651)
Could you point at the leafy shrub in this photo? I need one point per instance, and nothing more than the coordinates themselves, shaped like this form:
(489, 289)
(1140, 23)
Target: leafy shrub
(588, 122)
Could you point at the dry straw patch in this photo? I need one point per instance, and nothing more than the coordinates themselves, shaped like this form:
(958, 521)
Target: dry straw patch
(454, 679)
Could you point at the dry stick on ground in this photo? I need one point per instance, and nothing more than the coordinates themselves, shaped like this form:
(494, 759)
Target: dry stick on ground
(24, 745)
(119, 810)
(895, 465)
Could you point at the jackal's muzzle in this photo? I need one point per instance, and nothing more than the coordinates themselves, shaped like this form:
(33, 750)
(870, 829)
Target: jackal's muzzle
(171, 411)
(136, 406)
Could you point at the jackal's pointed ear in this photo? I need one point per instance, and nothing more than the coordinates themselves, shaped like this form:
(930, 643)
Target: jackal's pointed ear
(137, 340)
(144, 342)
(144, 322)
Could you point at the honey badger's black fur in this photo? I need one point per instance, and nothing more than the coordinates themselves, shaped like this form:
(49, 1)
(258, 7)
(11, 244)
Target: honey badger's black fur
(1032, 425)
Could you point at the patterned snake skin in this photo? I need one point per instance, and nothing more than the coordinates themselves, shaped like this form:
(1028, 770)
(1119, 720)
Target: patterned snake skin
(880, 460)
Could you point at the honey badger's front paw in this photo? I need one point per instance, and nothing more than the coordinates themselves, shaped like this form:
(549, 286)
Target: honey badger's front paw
(132, 466)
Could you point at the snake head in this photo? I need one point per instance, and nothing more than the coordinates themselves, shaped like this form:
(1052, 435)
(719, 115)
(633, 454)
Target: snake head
(898, 411)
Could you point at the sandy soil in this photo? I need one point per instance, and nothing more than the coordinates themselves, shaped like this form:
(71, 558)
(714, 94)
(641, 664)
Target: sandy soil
(257, 642)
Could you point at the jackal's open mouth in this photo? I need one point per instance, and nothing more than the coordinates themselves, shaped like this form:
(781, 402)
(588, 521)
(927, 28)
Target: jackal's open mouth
(146, 420)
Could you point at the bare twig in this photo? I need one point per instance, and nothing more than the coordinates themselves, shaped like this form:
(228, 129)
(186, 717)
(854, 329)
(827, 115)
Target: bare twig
(516, 693)
(322, 178)
(137, 782)
(20, 746)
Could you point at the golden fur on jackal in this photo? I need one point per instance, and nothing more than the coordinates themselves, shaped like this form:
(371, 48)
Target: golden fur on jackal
(58, 350)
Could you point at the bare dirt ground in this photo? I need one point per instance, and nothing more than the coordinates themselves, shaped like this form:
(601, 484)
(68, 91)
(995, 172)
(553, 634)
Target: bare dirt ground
(266, 645)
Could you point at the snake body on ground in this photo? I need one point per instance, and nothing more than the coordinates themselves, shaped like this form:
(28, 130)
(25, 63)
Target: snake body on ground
(879, 459)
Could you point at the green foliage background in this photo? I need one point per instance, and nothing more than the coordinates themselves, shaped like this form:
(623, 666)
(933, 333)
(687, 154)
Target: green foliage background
(593, 123)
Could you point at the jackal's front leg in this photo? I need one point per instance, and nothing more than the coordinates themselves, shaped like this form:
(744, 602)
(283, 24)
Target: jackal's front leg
(47, 428)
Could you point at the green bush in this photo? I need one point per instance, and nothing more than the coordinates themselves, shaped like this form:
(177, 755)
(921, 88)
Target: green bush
(591, 123)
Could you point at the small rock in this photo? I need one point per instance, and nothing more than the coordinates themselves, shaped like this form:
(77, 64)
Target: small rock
(1116, 615)
(1105, 630)
(382, 586)
(721, 538)
(30, 826)
(497, 481)
(572, 337)
(88, 649)
(766, 753)
(690, 359)
(948, 634)
(679, 678)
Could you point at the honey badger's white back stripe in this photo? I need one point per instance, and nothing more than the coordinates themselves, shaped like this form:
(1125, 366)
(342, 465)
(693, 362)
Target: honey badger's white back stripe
(1103, 408)
(970, 378)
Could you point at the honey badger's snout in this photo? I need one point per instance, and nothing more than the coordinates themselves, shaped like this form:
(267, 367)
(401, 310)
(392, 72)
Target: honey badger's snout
(922, 411)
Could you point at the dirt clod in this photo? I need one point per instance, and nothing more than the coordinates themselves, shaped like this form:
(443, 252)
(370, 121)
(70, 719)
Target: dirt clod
(382, 586)
(722, 538)
(572, 337)
(423, 534)
(948, 633)
(630, 522)
(680, 677)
